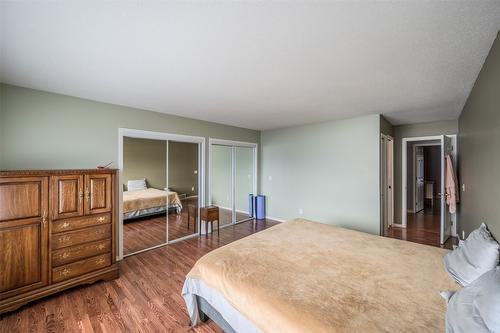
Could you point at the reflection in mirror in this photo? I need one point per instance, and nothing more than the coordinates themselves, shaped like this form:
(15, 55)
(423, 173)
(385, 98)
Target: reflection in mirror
(221, 182)
(243, 180)
(183, 180)
(144, 196)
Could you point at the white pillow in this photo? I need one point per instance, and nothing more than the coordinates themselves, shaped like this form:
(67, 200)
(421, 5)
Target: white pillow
(478, 254)
(476, 308)
(138, 184)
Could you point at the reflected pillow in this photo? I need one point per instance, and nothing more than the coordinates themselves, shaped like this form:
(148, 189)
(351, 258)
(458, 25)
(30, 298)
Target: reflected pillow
(478, 254)
(137, 184)
(476, 308)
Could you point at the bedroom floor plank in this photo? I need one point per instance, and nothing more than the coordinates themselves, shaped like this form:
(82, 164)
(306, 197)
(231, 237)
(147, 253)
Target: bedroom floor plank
(146, 297)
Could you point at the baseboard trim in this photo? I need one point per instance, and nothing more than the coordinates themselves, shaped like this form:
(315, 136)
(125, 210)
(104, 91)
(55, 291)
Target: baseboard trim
(277, 219)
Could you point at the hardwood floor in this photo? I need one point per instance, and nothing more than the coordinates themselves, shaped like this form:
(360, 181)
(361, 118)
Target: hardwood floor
(423, 228)
(149, 231)
(146, 297)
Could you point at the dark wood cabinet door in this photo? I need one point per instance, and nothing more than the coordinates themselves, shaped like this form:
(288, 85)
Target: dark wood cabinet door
(98, 193)
(67, 196)
(23, 234)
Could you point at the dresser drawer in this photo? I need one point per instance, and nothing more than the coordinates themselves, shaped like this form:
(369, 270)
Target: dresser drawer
(79, 222)
(78, 252)
(81, 236)
(80, 267)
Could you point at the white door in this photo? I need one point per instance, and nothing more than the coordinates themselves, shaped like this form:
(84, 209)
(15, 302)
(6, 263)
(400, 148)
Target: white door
(390, 181)
(419, 179)
(386, 182)
(446, 219)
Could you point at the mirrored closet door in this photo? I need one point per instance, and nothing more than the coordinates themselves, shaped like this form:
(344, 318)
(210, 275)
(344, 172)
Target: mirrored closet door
(232, 179)
(183, 185)
(144, 179)
(162, 188)
(221, 186)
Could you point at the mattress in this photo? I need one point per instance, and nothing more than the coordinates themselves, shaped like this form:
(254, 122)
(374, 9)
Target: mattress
(150, 198)
(303, 276)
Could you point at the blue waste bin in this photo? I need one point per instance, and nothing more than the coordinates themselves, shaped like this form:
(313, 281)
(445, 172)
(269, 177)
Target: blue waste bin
(250, 205)
(260, 207)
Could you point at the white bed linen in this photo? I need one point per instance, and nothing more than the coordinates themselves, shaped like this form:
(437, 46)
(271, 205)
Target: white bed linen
(233, 317)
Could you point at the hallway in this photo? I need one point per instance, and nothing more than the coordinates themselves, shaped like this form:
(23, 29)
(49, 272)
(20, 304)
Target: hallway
(423, 227)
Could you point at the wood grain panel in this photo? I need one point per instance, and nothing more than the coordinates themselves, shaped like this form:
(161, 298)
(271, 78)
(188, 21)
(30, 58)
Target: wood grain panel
(74, 253)
(20, 198)
(20, 256)
(23, 235)
(97, 194)
(80, 267)
(80, 236)
(79, 223)
(67, 196)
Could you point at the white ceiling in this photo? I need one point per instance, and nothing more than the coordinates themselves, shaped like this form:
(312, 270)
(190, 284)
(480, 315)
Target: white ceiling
(254, 64)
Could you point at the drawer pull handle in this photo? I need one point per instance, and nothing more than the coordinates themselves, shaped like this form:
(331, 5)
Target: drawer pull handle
(100, 219)
(64, 239)
(66, 272)
(101, 246)
(65, 255)
(100, 261)
(65, 225)
(44, 218)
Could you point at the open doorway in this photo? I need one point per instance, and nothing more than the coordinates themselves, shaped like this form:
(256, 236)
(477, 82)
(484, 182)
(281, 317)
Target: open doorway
(426, 217)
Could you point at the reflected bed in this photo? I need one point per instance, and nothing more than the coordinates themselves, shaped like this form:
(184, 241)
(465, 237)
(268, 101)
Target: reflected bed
(151, 201)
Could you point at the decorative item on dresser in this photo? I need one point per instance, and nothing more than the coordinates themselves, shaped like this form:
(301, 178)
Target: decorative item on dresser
(57, 230)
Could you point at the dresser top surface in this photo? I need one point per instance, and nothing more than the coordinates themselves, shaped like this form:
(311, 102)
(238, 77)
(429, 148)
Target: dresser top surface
(9, 173)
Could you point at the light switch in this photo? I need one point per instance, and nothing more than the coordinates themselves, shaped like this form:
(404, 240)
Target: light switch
(301, 211)
(463, 187)
(270, 178)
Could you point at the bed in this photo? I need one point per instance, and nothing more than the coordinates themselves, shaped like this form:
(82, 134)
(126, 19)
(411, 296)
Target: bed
(150, 201)
(303, 276)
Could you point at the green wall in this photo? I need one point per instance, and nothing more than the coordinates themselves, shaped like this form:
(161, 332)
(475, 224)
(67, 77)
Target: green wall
(144, 158)
(329, 170)
(479, 149)
(183, 167)
(43, 130)
(408, 131)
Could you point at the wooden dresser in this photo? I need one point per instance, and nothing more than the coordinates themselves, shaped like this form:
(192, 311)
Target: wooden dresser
(57, 230)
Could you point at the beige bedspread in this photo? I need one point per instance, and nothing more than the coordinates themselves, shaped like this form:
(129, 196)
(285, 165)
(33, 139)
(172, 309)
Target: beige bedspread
(149, 198)
(303, 276)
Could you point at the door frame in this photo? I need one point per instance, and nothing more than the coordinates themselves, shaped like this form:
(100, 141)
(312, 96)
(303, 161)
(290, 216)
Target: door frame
(404, 174)
(143, 134)
(233, 144)
(389, 161)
